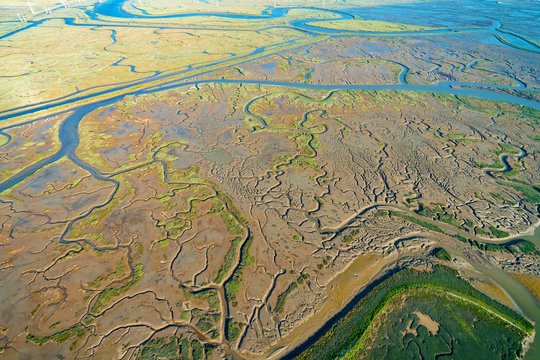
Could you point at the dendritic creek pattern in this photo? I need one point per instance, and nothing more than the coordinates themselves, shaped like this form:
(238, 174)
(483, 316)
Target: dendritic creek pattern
(266, 180)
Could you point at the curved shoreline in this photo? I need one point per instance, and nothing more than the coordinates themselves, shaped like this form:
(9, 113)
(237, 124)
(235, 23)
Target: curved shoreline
(82, 102)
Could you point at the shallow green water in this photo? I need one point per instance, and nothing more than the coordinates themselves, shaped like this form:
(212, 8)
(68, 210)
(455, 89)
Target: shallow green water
(535, 238)
(522, 298)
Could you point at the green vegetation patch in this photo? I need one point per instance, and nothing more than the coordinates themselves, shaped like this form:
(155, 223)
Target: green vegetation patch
(505, 149)
(161, 349)
(228, 261)
(205, 324)
(350, 237)
(233, 226)
(526, 247)
(531, 196)
(233, 285)
(420, 222)
(497, 164)
(106, 295)
(280, 303)
(173, 348)
(442, 254)
(510, 246)
(59, 337)
(119, 272)
(439, 213)
(498, 233)
(351, 327)
(233, 330)
(435, 325)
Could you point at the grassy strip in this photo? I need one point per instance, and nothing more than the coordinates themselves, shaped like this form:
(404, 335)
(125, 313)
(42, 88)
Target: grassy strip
(439, 213)
(532, 196)
(283, 297)
(350, 327)
(498, 233)
(233, 285)
(120, 271)
(233, 226)
(231, 207)
(292, 286)
(228, 260)
(59, 337)
(422, 223)
(106, 295)
(513, 246)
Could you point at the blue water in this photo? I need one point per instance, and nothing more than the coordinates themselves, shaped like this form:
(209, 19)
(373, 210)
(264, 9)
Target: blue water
(478, 20)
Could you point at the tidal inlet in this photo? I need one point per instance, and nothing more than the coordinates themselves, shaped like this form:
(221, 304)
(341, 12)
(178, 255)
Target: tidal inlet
(269, 179)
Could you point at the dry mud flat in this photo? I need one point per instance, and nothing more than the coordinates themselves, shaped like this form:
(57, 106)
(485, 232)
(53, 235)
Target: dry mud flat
(233, 216)
(228, 211)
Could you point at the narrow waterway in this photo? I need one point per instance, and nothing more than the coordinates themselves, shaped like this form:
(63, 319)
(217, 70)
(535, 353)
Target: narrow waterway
(68, 133)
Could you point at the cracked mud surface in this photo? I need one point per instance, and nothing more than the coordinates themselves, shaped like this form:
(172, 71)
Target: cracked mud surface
(233, 211)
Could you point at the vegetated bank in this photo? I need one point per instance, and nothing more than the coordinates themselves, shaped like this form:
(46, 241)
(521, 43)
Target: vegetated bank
(350, 329)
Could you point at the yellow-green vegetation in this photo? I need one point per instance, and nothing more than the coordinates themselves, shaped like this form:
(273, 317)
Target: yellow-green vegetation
(173, 227)
(233, 330)
(233, 285)
(439, 213)
(59, 337)
(173, 348)
(229, 259)
(172, 49)
(29, 152)
(353, 329)
(456, 136)
(185, 315)
(349, 237)
(530, 194)
(88, 226)
(445, 327)
(295, 161)
(501, 197)
(118, 273)
(415, 220)
(105, 297)
(233, 226)
(209, 296)
(79, 44)
(3, 139)
(6, 27)
(498, 232)
(230, 206)
(370, 26)
(225, 7)
(207, 322)
(514, 246)
(34, 312)
(280, 303)
(161, 348)
(505, 149)
(305, 158)
(186, 175)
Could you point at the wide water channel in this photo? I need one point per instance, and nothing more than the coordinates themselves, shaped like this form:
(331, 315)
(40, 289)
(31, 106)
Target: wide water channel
(68, 133)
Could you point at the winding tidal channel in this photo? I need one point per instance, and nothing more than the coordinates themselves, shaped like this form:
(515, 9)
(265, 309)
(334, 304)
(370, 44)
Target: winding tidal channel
(81, 103)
